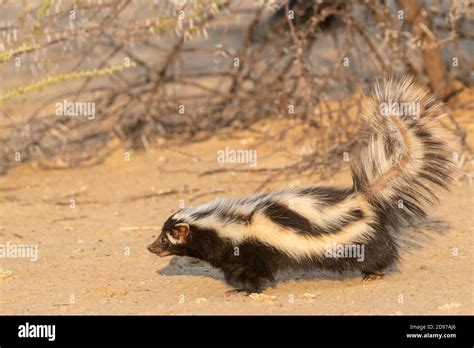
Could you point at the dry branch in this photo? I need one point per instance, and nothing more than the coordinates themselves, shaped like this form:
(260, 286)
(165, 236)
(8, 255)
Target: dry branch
(283, 63)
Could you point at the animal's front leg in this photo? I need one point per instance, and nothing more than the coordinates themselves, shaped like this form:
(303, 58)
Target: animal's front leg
(245, 279)
(235, 292)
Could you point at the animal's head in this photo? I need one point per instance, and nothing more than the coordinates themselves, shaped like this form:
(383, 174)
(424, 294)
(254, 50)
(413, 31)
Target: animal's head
(173, 240)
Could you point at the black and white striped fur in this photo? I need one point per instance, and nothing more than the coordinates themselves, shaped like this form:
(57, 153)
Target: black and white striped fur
(403, 159)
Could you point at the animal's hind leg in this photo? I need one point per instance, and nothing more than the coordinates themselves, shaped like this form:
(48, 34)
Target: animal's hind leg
(379, 254)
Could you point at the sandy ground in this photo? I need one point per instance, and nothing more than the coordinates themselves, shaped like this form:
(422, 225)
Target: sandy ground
(92, 258)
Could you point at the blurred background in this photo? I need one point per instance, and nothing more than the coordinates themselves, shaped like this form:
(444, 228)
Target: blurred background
(156, 71)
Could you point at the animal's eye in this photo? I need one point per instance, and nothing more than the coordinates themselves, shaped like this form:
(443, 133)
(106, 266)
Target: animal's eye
(164, 240)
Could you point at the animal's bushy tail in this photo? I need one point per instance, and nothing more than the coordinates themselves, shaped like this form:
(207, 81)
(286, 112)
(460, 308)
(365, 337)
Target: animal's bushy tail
(405, 154)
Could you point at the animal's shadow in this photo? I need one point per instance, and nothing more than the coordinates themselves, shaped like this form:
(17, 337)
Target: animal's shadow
(179, 266)
(411, 238)
(182, 265)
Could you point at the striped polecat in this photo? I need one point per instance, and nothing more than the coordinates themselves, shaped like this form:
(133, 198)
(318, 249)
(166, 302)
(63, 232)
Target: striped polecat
(405, 155)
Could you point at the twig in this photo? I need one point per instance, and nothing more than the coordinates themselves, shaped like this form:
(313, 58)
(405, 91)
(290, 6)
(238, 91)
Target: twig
(150, 195)
(193, 198)
(137, 228)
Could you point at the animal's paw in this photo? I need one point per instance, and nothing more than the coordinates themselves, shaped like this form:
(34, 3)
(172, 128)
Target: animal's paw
(236, 292)
(366, 277)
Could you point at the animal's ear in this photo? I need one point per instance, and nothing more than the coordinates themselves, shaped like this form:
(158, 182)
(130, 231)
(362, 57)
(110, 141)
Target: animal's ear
(183, 231)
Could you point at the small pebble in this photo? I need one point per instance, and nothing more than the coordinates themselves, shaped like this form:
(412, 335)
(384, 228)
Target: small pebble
(262, 297)
(449, 306)
(308, 296)
(4, 273)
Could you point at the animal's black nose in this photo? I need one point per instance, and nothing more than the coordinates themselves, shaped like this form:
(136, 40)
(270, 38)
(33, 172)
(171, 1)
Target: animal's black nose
(151, 248)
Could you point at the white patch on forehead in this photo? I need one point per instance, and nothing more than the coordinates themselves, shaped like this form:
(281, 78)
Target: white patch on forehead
(172, 240)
